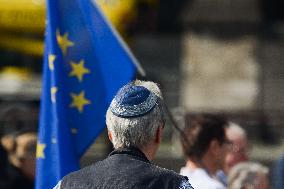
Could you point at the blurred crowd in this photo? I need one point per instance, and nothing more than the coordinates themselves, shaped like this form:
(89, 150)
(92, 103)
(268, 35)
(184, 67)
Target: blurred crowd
(217, 154)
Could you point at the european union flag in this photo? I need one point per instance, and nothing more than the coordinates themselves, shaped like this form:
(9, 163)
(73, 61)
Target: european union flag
(85, 64)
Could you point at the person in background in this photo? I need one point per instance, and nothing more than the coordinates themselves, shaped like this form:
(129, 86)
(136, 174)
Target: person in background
(248, 175)
(135, 121)
(21, 150)
(4, 178)
(240, 147)
(278, 174)
(205, 145)
(238, 151)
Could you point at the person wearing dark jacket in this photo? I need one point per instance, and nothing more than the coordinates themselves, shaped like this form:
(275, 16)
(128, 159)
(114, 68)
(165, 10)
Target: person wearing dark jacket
(135, 122)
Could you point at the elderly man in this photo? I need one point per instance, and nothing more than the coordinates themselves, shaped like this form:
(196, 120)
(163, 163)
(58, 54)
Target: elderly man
(135, 122)
(205, 145)
(237, 153)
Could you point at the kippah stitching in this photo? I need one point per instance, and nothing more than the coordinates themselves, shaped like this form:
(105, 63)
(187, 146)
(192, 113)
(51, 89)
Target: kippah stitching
(135, 110)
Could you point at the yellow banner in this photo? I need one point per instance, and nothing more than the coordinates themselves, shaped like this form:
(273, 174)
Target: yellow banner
(22, 15)
(23, 45)
(28, 16)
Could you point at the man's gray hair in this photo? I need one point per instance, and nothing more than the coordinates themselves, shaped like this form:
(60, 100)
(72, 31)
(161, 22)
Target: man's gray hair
(137, 131)
(235, 129)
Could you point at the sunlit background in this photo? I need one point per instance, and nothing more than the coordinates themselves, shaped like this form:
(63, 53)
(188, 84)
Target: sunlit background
(220, 56)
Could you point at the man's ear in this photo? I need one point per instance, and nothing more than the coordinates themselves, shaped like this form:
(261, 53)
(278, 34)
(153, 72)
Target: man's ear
(109, 135)
(159, 134)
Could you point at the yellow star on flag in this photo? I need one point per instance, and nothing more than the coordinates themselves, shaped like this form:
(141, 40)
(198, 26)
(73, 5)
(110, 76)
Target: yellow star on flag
(51, 59)
(53, 92)
(63, 42)
(79, 101)
(78, 70)
(40, 150)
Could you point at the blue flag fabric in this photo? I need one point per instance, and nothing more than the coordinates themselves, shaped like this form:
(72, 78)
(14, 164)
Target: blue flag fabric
(85, 64)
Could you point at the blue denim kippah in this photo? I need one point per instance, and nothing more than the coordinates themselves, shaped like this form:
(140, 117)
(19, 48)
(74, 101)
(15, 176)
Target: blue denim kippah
(133, 101)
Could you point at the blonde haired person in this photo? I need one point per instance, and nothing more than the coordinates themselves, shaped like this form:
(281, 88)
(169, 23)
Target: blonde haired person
(248, 175)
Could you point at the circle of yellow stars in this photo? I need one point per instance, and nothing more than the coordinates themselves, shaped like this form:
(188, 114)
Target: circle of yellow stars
(78, 69)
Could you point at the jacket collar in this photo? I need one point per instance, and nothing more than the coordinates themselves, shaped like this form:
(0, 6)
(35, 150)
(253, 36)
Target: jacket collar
(132, 151)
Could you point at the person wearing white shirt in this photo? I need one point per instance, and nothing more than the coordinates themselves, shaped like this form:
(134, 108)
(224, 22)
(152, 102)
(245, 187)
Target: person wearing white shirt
(204, 145)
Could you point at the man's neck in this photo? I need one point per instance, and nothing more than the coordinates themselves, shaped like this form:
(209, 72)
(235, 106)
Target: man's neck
(205, 163)
(149, 151)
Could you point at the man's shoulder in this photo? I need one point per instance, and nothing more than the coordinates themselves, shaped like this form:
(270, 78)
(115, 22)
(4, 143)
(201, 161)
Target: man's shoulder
(80, 174)
(180, 181)
(184, 184)
(166, 172)
(161, 176)
(130, 162)
(80, 178)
